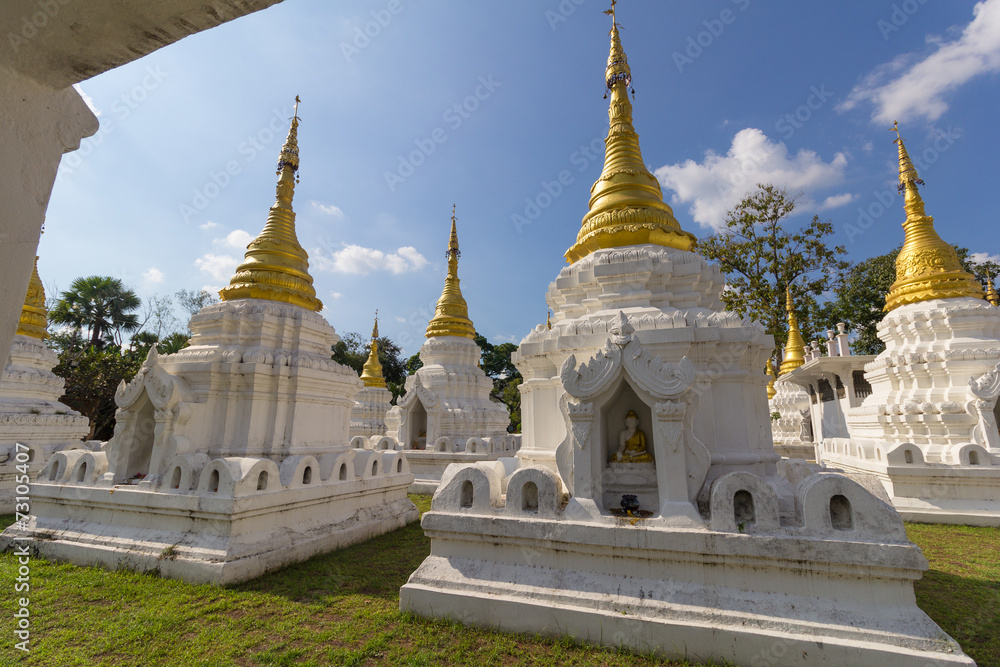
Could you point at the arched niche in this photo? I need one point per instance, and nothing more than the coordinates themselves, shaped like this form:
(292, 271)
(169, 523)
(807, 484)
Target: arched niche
(416, 425)
(139, 440)
(617, 478)
(621, 400)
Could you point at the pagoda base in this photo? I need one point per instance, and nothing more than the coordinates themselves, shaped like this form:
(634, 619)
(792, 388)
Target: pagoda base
(681, 594)
(428, 466)
(924, 492)
(201, 538)
(805, 451)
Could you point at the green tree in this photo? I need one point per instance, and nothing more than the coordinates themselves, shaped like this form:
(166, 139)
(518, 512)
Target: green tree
(495, 362)
(861, 298)
(414, 364)
(761, 258)
(92, 376)
(102, 305)
(192, 302)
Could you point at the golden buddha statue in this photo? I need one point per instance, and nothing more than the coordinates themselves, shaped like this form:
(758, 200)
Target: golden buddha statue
(632, 442)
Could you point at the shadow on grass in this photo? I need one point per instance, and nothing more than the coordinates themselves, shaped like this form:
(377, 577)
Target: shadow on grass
(966, 608)
(377, 568)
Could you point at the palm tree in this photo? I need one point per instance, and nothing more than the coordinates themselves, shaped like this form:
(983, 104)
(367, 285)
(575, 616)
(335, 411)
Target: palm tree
(102, 305)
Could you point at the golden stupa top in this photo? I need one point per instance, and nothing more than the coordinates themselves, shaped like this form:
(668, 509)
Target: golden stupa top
(926, 267)
(276, 267)
(626, 203)
(795, 347)
(451, 317)
(991, 292)
(34, 317)
(371, 373)
(771, 377)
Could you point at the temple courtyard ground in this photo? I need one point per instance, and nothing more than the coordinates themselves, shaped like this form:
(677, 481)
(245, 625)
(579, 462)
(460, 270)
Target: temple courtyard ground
(342, 609)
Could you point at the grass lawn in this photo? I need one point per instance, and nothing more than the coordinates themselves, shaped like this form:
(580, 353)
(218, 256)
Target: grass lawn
(342, 609)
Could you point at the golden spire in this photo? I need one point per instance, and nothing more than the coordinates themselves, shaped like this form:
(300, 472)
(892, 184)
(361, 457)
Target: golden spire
(795, 347)
(548, 319)
(34, 317)
(626, 203)
(926, 267)
(991, 292)
(451, 317)
(771, 391)
(371, 373)
(276, 267)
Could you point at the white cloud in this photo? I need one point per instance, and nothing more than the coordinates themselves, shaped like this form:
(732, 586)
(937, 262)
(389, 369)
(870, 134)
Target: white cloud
(336, 295)
(87, 99)
(358, 259)
(401, 320)
(719, 182)
(501, 338)
(980, 257)
(237, 239)
(153, 275)
(835, 201)
(909, 87)
(208, 226)
(329, 210)
(220, 267)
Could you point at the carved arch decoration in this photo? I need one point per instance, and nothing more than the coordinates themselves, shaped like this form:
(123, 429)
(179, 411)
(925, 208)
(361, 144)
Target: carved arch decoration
(169, 396)
(985, 390)
(686, 461)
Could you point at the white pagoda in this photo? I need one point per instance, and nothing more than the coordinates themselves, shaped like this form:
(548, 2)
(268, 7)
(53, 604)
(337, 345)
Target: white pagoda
(447, 415)
(33, 423)
(231, 457)
(647, 508)
(928, 430)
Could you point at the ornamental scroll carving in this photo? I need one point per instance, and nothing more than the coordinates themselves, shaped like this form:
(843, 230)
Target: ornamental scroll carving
(581, 419)
(161, 387)
(986, 389)
(623, 352)
(428, 398)
(924, 261)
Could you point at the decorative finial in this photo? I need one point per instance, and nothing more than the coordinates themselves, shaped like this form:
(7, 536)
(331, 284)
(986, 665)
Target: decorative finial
(275, 266)
(451, 317)
(611, 13)
(371, 372)
(453, 239)
(34, 320)
(626, 203)
(769, 370)
(926, 267)
(991, 291)
(548, 319)
(795, 347)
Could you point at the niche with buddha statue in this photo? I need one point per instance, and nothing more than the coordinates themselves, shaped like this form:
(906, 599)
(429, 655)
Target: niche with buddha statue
(629, 415)
(628, 451)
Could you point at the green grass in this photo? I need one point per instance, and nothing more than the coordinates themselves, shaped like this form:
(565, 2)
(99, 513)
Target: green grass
(342, 609)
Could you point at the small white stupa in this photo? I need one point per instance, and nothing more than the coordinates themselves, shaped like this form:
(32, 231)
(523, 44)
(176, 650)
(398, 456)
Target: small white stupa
(929, 428)
(373, 401)
(647, 508)
(792, 430)
(231, 457)
(446, 414)
(33, 423)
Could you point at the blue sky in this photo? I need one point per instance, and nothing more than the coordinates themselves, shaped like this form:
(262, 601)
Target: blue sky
(728, 93)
